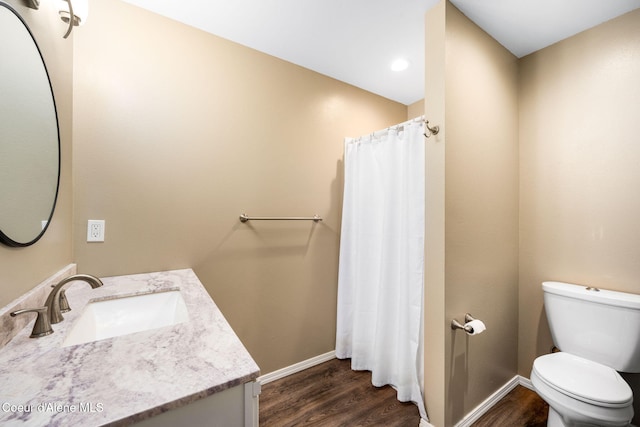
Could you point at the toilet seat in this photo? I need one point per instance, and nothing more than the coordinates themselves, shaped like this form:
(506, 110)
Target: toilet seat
(581, 392)
(583, 380)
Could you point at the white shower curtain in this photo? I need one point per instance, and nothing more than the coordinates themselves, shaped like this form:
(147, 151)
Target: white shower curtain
(381, 270)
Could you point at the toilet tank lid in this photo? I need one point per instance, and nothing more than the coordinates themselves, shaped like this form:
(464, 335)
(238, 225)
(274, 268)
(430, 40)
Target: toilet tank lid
(601, 296)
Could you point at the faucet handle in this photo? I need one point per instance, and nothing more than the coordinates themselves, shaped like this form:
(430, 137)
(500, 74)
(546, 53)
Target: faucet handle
(42, 326)
(64, 302)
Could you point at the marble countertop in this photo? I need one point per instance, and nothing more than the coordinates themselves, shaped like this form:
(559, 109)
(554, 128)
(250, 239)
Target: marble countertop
(122, 380)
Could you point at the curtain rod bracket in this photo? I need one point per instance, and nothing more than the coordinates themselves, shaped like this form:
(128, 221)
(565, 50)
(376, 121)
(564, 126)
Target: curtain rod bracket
(432, 130)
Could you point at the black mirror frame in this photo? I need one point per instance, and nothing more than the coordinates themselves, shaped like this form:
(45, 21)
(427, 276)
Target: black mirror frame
(3, 237)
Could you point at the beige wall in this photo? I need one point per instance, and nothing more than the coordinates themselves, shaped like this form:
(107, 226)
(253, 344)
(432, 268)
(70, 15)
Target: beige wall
(472, 199)
(481, 206)
(160, 106)
(23, 268)
(579, 171)
(552, 153)
(177, 132)
(434, 282)
(416, 109)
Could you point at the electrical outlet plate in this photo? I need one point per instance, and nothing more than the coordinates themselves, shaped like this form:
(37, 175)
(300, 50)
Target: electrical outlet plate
(95, 230)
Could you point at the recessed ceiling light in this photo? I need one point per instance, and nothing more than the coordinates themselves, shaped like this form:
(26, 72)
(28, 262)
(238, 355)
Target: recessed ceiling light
(400, 64)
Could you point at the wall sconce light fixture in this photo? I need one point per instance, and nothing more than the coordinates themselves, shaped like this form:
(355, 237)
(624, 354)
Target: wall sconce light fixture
(74, 14)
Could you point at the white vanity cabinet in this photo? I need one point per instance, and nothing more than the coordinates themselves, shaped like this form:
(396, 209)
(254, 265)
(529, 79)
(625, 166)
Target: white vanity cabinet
(234, 407)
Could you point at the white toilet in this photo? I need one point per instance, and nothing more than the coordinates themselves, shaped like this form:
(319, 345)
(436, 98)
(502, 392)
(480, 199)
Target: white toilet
(598, 333)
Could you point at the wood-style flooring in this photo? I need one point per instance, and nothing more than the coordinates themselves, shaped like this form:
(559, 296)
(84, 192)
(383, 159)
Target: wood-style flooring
(521, 407)
(332, 395)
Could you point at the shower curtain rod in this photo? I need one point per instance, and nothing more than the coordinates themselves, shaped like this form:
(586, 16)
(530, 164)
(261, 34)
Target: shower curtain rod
(432, 130)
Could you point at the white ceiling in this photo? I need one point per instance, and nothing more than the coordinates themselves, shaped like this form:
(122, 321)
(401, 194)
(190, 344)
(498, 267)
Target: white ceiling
(355, 41)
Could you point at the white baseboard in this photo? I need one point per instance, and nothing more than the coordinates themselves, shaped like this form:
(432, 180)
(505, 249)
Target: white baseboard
(300, 366)
(525, 382)
(482, 408)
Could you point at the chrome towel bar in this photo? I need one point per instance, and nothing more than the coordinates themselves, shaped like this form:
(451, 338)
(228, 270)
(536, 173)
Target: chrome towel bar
(244, 218)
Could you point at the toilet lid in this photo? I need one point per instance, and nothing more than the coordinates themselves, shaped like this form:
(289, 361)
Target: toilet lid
(583, 379)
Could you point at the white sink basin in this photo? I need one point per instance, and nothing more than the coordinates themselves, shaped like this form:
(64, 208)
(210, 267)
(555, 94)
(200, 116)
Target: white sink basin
(125, 315)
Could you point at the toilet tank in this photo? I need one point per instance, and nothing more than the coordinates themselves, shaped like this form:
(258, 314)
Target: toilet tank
(599, 325)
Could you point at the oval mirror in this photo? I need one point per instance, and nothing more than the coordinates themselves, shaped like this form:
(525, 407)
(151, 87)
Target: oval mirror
(29, 136)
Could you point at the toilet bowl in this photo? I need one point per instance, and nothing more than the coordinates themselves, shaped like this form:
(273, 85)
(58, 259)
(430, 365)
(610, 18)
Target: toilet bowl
(581, 392)
(598, 332)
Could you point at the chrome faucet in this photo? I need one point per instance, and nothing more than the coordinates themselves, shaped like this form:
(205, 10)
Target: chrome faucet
(53, 300)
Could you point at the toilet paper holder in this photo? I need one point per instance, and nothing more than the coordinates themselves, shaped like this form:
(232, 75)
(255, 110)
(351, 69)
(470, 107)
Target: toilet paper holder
(467, 328)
